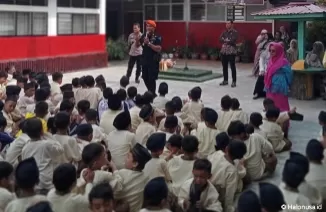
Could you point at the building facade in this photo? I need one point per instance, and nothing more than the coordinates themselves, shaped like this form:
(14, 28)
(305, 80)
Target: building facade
(52, 35)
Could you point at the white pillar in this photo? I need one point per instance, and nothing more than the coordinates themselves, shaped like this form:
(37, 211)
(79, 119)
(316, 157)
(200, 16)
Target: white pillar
(102, 17)
(52, 18)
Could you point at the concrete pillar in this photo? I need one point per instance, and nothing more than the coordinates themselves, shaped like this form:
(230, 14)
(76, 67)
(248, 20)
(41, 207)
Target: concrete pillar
(102, 4)
(52, 18)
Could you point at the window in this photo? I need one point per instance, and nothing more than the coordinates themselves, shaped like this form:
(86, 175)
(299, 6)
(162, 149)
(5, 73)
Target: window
(93, 4)
(197, 12)
(77, 24)
(150, 12)
(23, 23)
(25, 2)
(216, 12)
(177, 12)
(236, 13)
(163, 12)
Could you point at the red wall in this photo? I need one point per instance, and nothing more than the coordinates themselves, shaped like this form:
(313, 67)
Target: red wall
(199, 32)
(35, 47)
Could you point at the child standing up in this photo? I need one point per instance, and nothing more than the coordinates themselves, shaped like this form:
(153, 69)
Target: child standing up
(170, 111)
(64, 180)
(161, 100)
(98, 133)
(6, 184)
(101, 198)
(132, 177)
(238, 113)
(207, 134)
(193, 107)
(26, 178)
(225, 115)
(56, 94)
(155, 196)
(147, 127)
(256, 120)
(27, 99)
(47, 153)
(198, 193)
(71, 153)
(180, 166)
(157, 167)
(274, 131)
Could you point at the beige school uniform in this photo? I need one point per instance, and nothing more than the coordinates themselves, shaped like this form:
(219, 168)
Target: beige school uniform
(283, 117)
(261, 133)
(10, 121)
(81, 144)
(51, 106)
(93, 95)
(240, 115)
(71, 150)
(70, 202)
(311, 192)
(208, 198)
(180, 124)
(22, 103)
(157, 167)
(135, 119)
(15, 149)
(22, 204)
(206, 137)
(293, 198)
(106, 121)
(257, 148)
(159, 102)
(2, 91)
(56, 94)
(193, 109)
(275, 134)
(224, 120)
(99, 134)
(317, 178)
(120, 142)
(57, 108)
(225, 178)
(180, 170)
(47, 154)
(5, 198)
(143, 132)
(161, 210)
(133, 183)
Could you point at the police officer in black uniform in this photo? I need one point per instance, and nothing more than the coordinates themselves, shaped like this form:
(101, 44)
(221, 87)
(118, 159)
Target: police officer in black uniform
(151, 43)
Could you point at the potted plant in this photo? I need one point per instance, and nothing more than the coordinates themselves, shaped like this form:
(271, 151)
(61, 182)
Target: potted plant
(213, 53)
(194, 53)
(117, 49)
(204, 50)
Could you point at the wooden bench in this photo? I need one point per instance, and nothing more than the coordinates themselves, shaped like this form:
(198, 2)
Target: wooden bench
(303, 85)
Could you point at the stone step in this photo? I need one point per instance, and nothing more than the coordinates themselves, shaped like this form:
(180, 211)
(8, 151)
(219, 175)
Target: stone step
(188, 78)
(180, 72)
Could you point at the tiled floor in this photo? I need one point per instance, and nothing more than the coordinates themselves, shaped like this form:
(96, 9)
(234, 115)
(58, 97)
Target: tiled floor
(300, 132)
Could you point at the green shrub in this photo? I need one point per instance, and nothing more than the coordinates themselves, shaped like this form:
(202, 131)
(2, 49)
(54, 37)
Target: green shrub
(117, 49)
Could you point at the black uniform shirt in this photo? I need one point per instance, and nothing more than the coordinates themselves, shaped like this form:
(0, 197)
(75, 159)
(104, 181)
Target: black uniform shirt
(149, 55)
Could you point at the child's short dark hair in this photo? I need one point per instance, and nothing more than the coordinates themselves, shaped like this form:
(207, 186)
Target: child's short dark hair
(177, 103)
(83, 105)
(41, 109)
(107, 92)
(75, 82)
(41, 95)
(64, 177)
(322, 117)
(89, 81)
(6, 169)
(124, 81)
(236, 128)
(3, 74)
(210, 116)
(101, 191)
(132, 92)
(163, 89)
(33, 128)
(237, 149)
(226, 102)
(190, 144)
(82, 81)
(100, 78)
(101, 85)
(203, 165)
(249, 129)
(222, 141)
(268, 102)
(62, 120)
(139, 101)
(21, 79)
(26, 71)
(1, 105)
(256, 119)
(114, 102)
(272, 112)
(91, 115)
(170, 107)
(51, 126)
(235, 104)
(11, 99)
(171, 122)
(122, 94)
(3, 122)
(293, 174)
(148, 97)
(175, 141)
(27, 177)
(195, 93)
(66, 105)
(28, 86)
(91, 152)
(57, 76)
(155, 191)
(315, 150)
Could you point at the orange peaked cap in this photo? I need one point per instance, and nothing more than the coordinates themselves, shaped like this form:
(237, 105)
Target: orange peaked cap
(151, 22)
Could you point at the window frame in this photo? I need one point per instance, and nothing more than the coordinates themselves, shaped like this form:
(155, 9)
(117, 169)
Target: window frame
(170, 4)
(30, 25)
(84, 24)
(29, 4)
(84, 5)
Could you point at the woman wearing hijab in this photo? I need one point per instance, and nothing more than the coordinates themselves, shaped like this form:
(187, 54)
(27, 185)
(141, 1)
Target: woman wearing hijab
(278, 77)
(260, 42)
(292, 53)
(263, 61)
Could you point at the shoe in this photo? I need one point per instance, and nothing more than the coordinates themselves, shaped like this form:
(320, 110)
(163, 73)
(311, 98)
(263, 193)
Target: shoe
(255, 97)
(233, 85)
(296, 116)
(137, 81)
(224, 83)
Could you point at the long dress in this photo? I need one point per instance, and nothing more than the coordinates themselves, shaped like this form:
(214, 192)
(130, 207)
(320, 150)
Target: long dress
(260, 42)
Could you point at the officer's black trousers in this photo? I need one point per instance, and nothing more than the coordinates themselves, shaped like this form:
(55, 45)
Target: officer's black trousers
(150, 75)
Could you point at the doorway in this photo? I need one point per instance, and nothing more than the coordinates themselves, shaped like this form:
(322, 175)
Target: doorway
(132, 17)
(112, 27)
